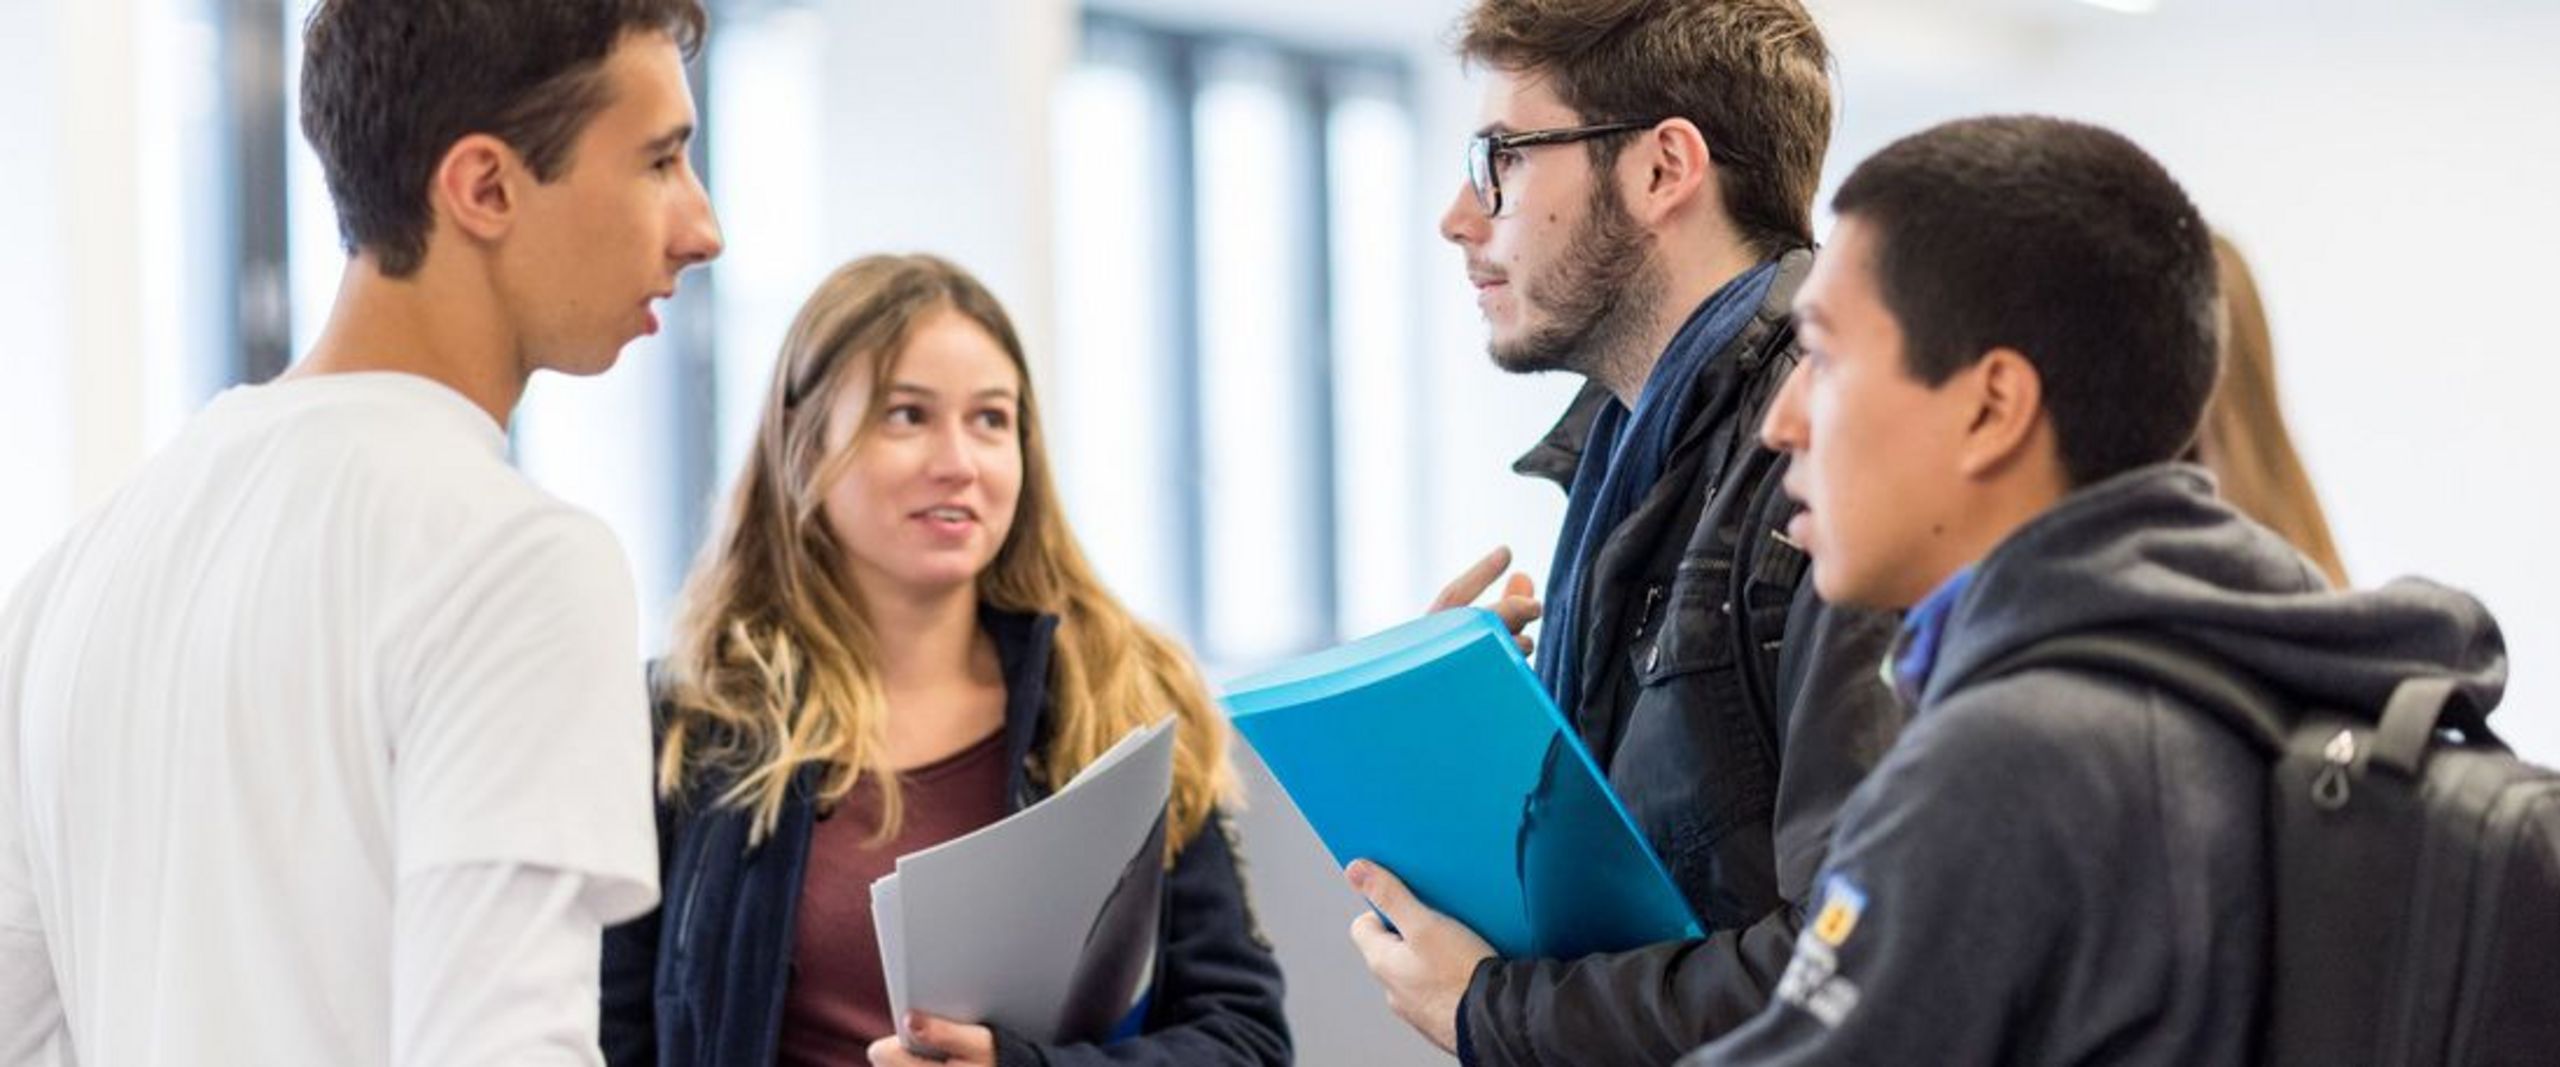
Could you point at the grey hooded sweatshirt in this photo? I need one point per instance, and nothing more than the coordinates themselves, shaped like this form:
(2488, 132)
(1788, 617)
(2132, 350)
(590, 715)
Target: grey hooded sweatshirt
(2065, 867)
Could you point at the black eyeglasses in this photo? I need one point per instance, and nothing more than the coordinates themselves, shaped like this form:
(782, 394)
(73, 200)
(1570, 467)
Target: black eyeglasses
(1486, 150)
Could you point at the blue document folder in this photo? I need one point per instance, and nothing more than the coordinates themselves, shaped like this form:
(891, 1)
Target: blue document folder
(1431, 749)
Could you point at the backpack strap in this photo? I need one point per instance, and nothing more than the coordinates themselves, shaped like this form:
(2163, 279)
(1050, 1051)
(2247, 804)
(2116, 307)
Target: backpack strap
(2419, 708)
(2408, 721)
(2240, 702)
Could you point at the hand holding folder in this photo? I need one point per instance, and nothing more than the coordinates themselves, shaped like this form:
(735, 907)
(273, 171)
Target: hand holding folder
(1044, 923)
(1432, 750)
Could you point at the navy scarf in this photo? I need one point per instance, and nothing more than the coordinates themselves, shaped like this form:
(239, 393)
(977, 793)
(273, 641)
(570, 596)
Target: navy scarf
(1623, 459)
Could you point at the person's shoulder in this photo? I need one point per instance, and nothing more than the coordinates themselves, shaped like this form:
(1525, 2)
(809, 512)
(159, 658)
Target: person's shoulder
(429, 475)
(2023, 738)
(388, 422)
(405, 463)
(444, 484)
(2069, 747)
(544, 571)
(2051, 705)
(22, 600)
(548, 544)
(24, 590)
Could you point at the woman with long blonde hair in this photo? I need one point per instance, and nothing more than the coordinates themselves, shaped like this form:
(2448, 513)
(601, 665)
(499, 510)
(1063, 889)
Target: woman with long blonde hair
(2244, 440)
(893, 641)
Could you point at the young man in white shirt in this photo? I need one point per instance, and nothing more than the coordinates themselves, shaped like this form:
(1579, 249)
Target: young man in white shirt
(324, 740)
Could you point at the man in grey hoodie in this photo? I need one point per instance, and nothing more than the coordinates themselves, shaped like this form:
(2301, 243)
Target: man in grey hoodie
(2011, 334)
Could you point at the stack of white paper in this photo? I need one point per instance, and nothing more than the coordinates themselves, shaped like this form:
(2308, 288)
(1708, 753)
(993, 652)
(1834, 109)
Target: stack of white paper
(1044, 923)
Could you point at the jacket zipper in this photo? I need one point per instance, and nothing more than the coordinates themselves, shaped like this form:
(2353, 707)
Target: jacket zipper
(1644, 622)
(683, 948)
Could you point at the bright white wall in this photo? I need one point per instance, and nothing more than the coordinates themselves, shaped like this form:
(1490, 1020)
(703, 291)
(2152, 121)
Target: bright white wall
(938, 138)
(35, 427)
(71, 419)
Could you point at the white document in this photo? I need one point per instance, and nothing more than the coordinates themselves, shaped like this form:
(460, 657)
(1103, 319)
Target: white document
(1044, 923)
(889, 920)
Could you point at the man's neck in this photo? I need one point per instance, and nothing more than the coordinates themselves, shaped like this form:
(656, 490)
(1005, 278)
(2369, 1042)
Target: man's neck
(1982, 521)
(1687, 282)
(434, 324)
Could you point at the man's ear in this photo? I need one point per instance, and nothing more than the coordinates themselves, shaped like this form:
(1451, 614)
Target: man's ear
(1678, 168)
(477, 186)
(2008, 412)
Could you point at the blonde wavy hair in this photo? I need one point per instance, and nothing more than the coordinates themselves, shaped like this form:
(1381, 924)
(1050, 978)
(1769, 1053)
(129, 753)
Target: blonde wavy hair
(775, 668)
(2244, 439)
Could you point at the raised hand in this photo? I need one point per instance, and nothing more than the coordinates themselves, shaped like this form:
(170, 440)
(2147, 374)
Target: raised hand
(1518, 605)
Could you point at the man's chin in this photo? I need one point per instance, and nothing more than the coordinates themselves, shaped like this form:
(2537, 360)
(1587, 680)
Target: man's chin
(1836, 586)
(587, 364)
(1520, 357)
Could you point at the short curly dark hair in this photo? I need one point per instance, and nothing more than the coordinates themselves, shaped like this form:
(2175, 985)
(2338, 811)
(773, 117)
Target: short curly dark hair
(389, 85)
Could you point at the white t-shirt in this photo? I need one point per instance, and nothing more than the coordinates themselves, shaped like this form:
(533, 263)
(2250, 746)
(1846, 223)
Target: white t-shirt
(328, 727)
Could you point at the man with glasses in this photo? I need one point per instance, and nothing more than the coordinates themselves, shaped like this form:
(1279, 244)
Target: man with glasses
(1638, 211)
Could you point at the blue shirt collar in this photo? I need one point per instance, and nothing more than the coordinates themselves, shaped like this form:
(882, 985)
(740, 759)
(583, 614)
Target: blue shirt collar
(1915, 654)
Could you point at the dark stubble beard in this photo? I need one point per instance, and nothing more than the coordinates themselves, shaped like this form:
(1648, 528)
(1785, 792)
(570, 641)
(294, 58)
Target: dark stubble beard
(1598, 299)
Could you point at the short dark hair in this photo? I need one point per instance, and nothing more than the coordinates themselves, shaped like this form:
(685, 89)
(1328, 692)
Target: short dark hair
(2066, 242)
(1753, 75)
(389, 85)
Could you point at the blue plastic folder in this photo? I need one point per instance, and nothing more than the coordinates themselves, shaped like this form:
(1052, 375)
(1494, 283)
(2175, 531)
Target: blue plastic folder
(1432, 749)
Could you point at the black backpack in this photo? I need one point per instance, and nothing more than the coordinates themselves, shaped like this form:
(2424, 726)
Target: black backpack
(2416, 863)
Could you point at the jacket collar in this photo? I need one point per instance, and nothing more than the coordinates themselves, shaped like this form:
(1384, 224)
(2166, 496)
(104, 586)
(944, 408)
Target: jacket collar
(1024, 642)
(1559, 453)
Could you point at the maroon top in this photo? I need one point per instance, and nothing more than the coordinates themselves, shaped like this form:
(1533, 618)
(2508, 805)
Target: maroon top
(838, 1003)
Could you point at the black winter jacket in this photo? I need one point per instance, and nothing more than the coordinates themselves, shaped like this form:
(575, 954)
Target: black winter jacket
(1732, 711)
(701, 981)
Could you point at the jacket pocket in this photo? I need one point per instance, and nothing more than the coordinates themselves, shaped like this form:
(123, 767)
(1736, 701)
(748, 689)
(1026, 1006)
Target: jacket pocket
(1691, 765)
(1693, 630)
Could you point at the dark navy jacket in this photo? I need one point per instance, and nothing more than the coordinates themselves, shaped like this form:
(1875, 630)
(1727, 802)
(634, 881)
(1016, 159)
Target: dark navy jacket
(701, 981)
(2065, 866)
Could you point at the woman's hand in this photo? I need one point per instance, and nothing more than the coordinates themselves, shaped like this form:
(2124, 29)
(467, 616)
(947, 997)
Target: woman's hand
(952, 1043)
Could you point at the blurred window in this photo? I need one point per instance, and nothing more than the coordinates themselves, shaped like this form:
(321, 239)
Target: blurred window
(1236, 420)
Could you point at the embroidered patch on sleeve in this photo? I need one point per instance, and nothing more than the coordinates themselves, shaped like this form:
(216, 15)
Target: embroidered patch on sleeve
(1813, 981)
(1842, 903)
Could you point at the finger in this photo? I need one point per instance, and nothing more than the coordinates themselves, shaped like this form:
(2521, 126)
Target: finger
(1388, 894)
(1518, 611)
(1466, 587)
(1519, 586)
(1528, 648)
(953, 1039)
(1369, 935)
(887, 1052)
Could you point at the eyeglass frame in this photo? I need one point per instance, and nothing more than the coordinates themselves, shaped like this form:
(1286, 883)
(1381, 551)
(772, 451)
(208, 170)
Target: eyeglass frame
(1487, 182)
